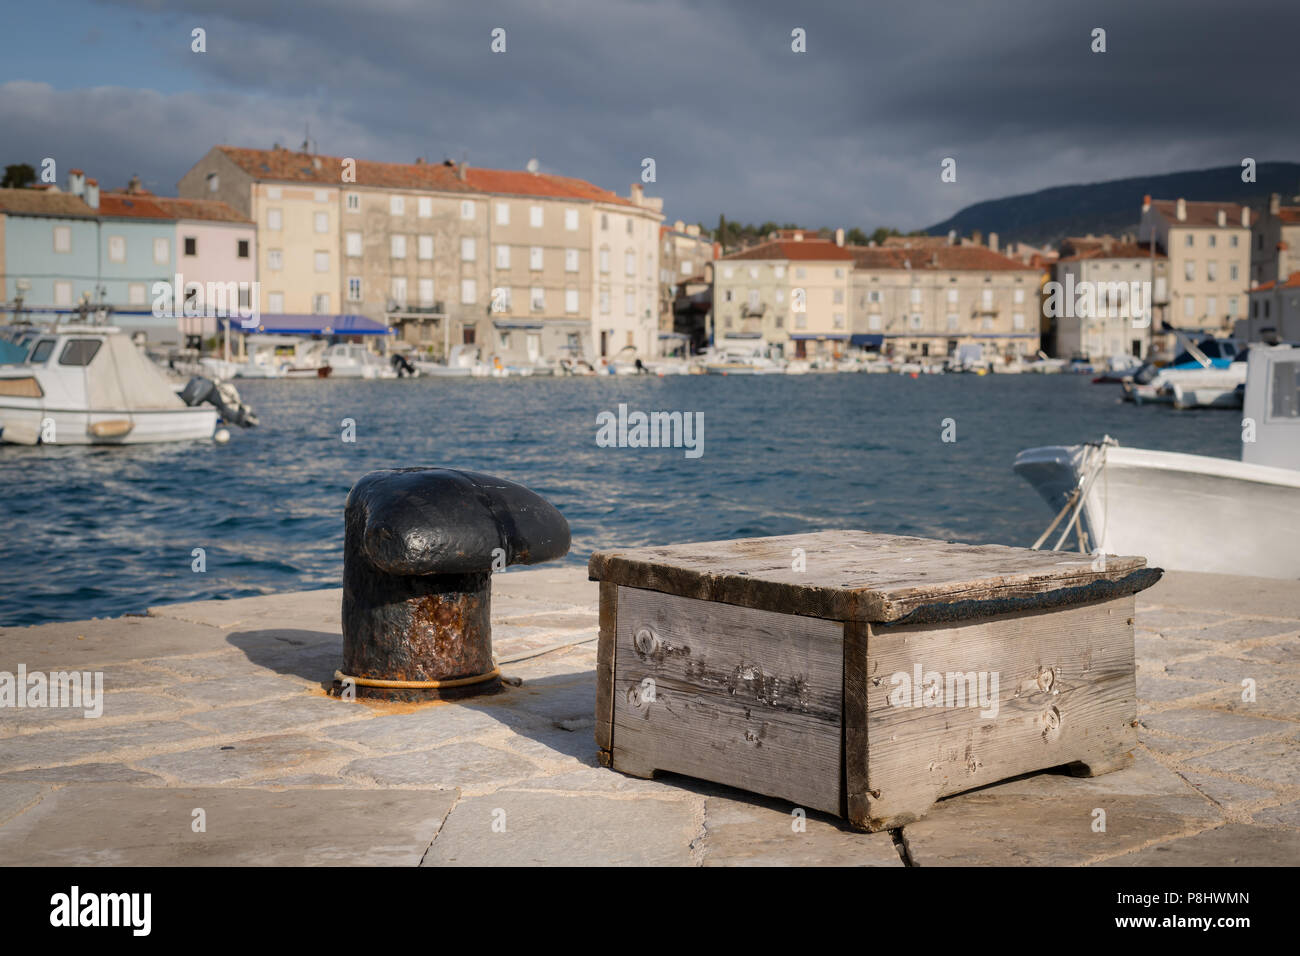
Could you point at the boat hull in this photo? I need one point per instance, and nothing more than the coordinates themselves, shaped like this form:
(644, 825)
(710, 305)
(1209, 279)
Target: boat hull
(1182, 512)
(31, 426)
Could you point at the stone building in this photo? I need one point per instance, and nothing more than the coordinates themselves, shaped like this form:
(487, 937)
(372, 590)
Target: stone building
(447, 254)
(926, 302)
(1113, 321)
(1208, 245)
(1275, 223)
(787, 296)
(684, 250)
(1273, 314)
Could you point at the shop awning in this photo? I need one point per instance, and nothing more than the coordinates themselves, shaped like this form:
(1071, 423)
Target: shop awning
(866, 340)
(819, 336)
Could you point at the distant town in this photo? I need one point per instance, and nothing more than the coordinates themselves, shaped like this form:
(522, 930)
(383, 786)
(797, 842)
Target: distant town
(524, 267)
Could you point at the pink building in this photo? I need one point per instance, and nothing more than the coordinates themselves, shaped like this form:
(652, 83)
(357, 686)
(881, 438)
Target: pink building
(216, 245)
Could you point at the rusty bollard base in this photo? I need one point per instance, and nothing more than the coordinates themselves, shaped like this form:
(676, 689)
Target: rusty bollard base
(420, 545)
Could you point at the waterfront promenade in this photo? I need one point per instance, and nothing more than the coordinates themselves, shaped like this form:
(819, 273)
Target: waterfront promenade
(218, 745)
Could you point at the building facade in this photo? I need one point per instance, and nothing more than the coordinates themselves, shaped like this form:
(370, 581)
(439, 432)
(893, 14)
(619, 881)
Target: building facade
(786, 296)
(1116, 317)
(521, 265)
(1208, 246)
(927, 302)
(81, 251)
(684, 250)
(1276, 223)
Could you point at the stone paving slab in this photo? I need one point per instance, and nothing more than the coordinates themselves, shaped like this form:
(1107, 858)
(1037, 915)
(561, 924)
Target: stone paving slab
(1232, 845)
(225, 701)
(140, 826)
(522, 828)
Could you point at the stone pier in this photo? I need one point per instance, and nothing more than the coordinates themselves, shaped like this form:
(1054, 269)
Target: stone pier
(219, 744)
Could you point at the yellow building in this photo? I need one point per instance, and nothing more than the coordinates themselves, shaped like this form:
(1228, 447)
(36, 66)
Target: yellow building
(788, 296)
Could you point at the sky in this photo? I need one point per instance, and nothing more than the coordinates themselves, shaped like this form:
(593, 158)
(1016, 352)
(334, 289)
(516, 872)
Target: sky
(851, 132)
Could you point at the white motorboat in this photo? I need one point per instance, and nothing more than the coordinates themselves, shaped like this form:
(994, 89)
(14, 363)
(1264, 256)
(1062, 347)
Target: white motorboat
(273, 356)
(740, 362)
(349, 360)
(1190, 512)
(460, 363)
(91, 385)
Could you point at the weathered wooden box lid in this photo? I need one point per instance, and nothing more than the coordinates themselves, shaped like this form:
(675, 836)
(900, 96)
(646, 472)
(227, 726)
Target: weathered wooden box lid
(881, 578)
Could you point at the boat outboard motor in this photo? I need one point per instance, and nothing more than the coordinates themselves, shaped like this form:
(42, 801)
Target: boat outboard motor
(223, 396)
(403, 367)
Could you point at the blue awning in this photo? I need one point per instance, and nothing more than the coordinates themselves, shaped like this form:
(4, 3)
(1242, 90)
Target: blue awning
(864, 340)
(310, 325)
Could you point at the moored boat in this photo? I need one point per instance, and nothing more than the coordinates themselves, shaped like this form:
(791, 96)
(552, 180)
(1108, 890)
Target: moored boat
(1190, 512)
(91, 385)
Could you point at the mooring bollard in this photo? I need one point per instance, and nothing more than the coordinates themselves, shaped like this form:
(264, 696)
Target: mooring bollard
(419, 549)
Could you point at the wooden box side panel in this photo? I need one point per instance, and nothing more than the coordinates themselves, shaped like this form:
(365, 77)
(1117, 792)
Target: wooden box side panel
(1066, 693)
(733, 695)
(605, 666)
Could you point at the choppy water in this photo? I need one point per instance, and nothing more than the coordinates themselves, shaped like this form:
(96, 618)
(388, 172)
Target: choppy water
(104, 531)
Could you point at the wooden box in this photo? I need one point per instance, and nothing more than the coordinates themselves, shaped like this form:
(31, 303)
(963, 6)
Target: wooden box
(864, 675)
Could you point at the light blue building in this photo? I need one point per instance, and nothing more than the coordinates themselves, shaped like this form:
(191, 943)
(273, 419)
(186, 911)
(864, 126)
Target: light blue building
(62, 253)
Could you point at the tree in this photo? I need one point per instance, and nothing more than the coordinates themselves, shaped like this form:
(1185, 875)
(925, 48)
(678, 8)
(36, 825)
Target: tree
(855, 237)
(18, 176)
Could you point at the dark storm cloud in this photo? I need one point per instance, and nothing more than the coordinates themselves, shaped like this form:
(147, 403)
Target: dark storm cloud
(852, 132)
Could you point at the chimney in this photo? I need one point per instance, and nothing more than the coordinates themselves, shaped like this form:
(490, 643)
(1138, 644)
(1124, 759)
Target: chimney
(1146, 203)
(1283, 265)
(934, 260)
(1245, 216)
(419, 160)
(462, 170)
(92, 193)
(1180, 212)
(1107, 243)
(1274, 204)
(637, 195)
(952, 237)
(798, 235)
(993, 241)
(839, 237)
(76, 182)
(133, 185)
(976, 237)
(1223, 218)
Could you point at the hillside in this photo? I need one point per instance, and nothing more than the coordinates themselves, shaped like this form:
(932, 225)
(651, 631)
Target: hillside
(1114, 206)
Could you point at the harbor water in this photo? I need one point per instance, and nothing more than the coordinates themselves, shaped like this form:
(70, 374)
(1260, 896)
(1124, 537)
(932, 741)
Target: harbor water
(96, 532)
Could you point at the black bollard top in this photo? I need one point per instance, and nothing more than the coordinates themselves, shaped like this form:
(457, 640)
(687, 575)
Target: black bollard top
(443, 521)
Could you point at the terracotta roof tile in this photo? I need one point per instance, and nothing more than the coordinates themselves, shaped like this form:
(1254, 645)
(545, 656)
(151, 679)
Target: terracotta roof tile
(126, 206)
(1292, 282)
(43, 202)
(944, 258)
(1117, 250)
(1200, 214)
(282, 165)
(806, 250)
(212, 210)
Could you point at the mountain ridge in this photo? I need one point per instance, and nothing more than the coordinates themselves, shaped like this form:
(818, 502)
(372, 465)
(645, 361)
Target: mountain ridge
(1113, 206)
